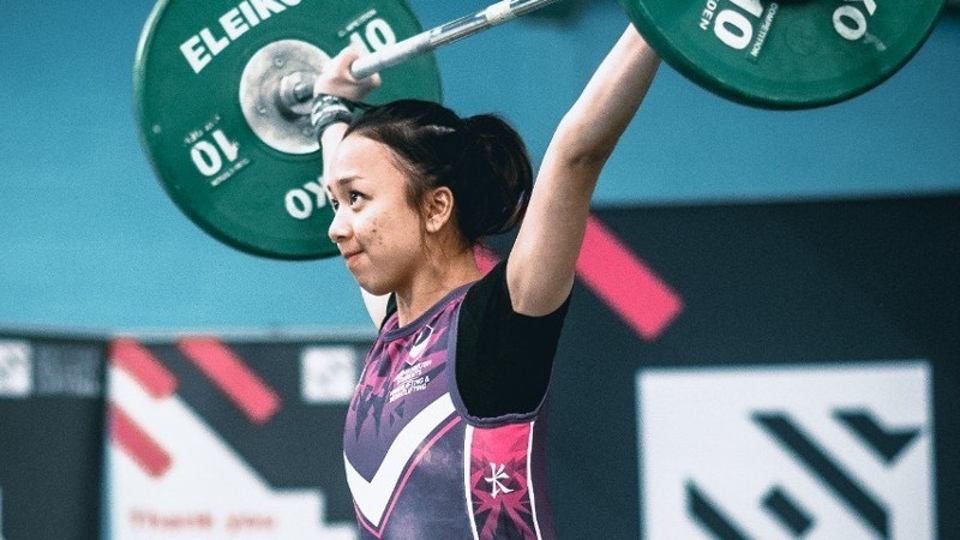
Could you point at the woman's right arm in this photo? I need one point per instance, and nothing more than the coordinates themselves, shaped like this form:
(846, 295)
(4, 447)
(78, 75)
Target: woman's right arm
(337, 81)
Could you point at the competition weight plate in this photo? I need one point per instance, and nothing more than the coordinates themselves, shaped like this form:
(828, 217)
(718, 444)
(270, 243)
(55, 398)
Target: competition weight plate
(206, 77)
(786, 55)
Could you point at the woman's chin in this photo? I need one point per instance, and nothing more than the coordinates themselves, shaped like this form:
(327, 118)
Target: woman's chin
(372, 286)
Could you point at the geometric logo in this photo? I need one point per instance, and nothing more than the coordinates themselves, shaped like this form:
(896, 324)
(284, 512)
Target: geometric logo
(843, 451)
(173, 474)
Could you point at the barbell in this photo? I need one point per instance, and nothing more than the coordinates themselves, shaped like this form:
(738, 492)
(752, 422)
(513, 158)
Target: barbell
(223, 87)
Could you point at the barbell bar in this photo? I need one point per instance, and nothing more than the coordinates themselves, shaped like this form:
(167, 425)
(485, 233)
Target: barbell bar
(297, 89)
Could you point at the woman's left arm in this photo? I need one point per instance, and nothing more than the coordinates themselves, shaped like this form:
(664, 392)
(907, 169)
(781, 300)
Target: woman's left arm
(541, 266)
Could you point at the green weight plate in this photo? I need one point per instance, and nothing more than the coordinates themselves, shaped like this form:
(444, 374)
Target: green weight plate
(206, 79)
(790, 55)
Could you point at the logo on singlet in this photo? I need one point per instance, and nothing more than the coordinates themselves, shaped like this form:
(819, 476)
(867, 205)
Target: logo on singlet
(420, 344)
(496, 475)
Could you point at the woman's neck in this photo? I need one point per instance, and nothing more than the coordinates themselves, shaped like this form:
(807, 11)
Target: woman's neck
(434, 280)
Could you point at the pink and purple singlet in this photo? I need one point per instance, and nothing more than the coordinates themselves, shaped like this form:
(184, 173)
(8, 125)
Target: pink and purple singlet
(420, 463)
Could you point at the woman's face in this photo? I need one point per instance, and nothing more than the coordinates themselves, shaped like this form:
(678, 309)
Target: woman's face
(377, 231)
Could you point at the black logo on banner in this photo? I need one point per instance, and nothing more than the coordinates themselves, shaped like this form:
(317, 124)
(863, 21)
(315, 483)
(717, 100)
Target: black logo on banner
(787, 452)
(779, 505)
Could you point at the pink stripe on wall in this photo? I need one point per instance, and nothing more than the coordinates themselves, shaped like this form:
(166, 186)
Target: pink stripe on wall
(124, 432)
(625, 283)
(232, 375)
(136, 360)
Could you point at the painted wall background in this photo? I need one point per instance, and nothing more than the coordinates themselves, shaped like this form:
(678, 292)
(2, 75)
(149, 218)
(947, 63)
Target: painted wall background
(90, 240)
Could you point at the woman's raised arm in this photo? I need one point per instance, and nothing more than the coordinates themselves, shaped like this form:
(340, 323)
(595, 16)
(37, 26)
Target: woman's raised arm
(336, 80)
(540, 269)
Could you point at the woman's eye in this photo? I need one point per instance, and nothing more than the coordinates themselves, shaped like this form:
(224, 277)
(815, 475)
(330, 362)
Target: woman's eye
(355, 197)
(334, 204)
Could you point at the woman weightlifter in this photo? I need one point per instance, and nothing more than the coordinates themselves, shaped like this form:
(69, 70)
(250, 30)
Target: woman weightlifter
(445, 435)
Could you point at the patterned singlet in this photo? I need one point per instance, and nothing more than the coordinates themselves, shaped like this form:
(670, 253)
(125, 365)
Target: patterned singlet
(418, 465)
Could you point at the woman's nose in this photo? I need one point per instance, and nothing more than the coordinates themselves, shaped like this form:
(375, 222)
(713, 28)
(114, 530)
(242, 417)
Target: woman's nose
(339, 229)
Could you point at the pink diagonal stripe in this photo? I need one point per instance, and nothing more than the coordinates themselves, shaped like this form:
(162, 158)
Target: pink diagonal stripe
(485, 258)
(154, 460)
(625, 283)
(232, 375)
(137, 360)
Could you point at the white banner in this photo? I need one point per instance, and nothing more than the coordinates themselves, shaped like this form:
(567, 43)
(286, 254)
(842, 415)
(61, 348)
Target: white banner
(787, 452)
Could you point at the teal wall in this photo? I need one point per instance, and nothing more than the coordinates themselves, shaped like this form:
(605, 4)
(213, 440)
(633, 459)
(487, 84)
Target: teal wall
(90, 240)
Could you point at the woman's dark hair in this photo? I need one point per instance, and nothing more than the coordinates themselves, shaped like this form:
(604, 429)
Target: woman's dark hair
(481, 159)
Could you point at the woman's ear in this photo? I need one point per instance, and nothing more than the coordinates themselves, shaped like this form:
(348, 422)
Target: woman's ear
(438, 208)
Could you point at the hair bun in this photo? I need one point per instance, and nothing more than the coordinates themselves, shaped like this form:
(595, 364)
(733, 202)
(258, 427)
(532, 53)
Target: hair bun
(499, 174)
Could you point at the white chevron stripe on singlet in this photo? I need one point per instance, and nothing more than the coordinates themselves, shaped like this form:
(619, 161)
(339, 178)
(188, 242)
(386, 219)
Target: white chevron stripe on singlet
(468, 489)
(533, 501)
(373, 497)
